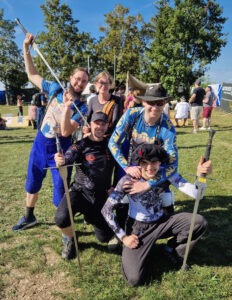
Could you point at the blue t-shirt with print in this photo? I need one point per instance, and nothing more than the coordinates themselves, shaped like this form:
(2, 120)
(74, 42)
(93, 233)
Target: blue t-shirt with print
(53, 115)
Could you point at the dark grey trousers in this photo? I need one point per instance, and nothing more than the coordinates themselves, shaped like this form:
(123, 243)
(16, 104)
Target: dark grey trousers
(135, 262)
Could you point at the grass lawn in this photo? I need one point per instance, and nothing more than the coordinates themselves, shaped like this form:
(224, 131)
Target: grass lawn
(30, 262)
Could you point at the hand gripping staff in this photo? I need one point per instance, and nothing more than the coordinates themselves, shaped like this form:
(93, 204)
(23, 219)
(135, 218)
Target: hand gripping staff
(35, 47)
(64, 173)
(201, 185)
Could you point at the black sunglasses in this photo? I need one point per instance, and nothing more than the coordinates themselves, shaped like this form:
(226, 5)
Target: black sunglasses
(156, 103)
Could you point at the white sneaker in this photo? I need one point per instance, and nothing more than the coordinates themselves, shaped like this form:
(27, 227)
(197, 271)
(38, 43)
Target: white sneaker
(194, 130)
(209, 128)
(203, 128)
(113, 243)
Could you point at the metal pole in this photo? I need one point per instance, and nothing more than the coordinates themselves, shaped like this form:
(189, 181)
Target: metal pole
(114, 67)
(88, 63)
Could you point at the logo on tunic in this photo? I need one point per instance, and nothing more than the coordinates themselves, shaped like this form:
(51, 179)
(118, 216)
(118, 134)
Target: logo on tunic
(90, 157)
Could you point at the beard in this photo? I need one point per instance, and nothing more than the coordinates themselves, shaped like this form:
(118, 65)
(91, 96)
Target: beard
(75, 95)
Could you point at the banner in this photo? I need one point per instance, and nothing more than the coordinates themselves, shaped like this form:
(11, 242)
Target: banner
(226, 97)
(217, 90)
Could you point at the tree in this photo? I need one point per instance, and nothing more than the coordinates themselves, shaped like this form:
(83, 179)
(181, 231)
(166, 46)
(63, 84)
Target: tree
(11, 61)
(186, 38)
(62, 44)
(123, 43)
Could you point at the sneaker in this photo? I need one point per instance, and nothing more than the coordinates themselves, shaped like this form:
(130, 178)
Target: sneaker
(209, 128)
(175, 260)
(23, 224)
(69, 251)
(203, 128)
(113, 243)
(194, 130)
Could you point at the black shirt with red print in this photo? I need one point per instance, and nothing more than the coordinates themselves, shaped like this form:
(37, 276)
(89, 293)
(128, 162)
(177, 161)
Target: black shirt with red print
(96, 164)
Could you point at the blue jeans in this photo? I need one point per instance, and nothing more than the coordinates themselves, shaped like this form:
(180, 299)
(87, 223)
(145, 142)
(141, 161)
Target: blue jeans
(41, 157)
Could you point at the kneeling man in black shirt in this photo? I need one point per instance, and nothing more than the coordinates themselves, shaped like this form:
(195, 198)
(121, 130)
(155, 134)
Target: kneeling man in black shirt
(92, 182)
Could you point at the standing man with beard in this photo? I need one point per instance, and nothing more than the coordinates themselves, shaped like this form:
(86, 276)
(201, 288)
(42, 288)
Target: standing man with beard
(60, 116)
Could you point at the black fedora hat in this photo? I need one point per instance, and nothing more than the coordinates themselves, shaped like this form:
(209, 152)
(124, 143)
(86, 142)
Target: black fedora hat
(154, 93)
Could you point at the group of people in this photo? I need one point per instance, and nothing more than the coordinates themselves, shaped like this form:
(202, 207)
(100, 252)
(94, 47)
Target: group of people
(201, 100)
(137, 206)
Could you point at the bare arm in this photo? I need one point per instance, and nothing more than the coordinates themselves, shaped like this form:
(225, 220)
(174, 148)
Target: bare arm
(192, 98)
(32, 74)
(68, 126)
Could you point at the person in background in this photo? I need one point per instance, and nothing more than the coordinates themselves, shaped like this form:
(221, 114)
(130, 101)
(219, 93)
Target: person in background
(20, 105)
(128, 99)
(136, 101)
(166, 110)
(41, 108)
(32, 114)
(196, 102)
(207, 107)
(105, 102)
(182, 111)
(2, 123)
(92, 90)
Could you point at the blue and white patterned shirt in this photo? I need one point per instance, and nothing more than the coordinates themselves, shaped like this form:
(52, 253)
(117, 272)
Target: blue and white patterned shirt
(144, 207)
(144, 134)
(53, 115)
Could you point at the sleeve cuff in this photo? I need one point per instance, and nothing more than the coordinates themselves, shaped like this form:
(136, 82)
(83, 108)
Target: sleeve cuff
(121, 234)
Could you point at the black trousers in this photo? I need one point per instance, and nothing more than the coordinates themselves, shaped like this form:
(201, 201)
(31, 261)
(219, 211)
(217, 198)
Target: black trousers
(89, 204)
(135, 262)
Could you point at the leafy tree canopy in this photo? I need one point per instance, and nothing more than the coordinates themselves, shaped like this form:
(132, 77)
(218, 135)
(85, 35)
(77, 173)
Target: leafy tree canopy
(63, 46)
(186, 37)
(11, 62)
(123, 43)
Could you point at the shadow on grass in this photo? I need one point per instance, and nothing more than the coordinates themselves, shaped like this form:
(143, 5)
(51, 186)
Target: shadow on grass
(214, 249)
(16, 139)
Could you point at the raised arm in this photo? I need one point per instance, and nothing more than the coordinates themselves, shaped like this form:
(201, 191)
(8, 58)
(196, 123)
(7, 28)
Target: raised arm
(32, 74)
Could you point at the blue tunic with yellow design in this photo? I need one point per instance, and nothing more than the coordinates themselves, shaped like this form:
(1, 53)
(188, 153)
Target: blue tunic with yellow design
(142, 133)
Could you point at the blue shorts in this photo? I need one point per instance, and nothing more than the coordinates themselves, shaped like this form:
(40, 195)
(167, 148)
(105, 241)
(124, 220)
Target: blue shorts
(42, 156)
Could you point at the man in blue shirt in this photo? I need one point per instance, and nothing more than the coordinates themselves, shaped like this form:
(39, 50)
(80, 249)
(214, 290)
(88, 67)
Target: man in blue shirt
(61, 116)
(147, 125)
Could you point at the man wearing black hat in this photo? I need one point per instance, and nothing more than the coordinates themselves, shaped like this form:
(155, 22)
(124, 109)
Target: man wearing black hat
(146, 125)
(196, 102)
(147, 221)
(92, 181)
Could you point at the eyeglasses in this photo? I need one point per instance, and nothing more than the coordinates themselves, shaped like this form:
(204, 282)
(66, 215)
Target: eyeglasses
(103, 83)
(156, 103)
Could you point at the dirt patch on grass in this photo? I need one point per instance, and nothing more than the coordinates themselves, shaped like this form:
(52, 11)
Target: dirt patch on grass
(21, 284)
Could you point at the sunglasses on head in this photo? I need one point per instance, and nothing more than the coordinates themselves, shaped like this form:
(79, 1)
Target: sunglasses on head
(156, 103)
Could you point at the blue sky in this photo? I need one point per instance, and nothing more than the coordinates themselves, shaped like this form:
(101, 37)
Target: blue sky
(91, 16)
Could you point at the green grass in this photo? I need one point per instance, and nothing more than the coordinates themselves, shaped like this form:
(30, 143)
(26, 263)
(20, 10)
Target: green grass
(30, 262)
